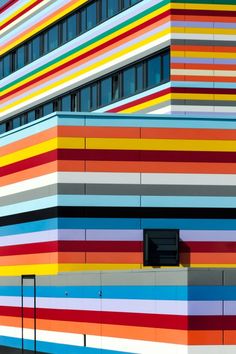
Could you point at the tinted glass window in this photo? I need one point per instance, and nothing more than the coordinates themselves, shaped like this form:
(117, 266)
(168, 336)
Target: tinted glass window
(64, 32)
(45, 43)
(31, 116)
(105, 91)
(139, 77)
(153, 71)
(112, 7)
(91, 15)
(6, 65)
(16, 122)
(94, 96)
(66, 103)
(1, 69)
(47, 108)
(129, 82)
(20, 57)
(72, 27)
(36, 48)
(166, 67)
(85, 99)
(53, 38)
(2, 128)
(103, 9)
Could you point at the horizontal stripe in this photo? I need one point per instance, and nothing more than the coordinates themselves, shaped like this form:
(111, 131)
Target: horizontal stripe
(145, 320)
(93, 212)
(135, 306)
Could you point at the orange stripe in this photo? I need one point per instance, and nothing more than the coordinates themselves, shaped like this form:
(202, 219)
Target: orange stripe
(207, 258)
(29, 141)
(30, 173)
(158, 167)
(38, 258)
(202, 78)
(101, 257)
(230, 337)
(129, 332)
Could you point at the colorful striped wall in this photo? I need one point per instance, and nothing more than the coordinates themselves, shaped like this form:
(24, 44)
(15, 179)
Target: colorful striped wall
(166, 311)
(78, 190)
(201, 37)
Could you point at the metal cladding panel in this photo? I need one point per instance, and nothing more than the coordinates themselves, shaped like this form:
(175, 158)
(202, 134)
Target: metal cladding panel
(77, 191)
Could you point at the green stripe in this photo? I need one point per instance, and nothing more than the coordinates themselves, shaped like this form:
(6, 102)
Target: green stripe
(92, 41)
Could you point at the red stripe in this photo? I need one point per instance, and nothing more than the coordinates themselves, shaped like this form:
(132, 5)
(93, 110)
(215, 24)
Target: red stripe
(140, 100)
(203, 90)
(29, 248)
(218, 247)
(119, 155)
(7, 5)
(72, 246)
(128, 319)
(87, 54)
(207, 13)
(29, 163)
(20, 14)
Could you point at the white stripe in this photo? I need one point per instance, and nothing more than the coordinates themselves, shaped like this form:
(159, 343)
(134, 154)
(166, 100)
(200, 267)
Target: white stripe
(28, 184)
(99, 177)
(162, 307)
(229, 73)
(188, 179)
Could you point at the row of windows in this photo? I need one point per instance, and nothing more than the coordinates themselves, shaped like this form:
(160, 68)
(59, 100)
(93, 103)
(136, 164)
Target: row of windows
(67, 29)
(135, 78)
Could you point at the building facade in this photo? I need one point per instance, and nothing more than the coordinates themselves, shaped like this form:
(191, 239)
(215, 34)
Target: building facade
(118, 231)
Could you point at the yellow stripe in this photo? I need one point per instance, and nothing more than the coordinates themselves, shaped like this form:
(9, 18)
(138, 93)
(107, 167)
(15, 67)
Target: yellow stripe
(22, 8)
(215, 7)
(90, 47)
(198, 30)
(202, 96)
(147, 104)
(37, 269)
(160, 144)
(31, 33)
(91, 67)
(49, 145)
(199, 54)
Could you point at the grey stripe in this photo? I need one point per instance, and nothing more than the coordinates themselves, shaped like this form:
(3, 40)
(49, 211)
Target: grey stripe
(204, 103)
(207, 43)
(120, 189)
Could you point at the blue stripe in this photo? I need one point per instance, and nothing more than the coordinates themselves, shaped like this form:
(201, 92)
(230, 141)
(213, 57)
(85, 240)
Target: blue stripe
(33, 226)
(191, 293)
(46, 347)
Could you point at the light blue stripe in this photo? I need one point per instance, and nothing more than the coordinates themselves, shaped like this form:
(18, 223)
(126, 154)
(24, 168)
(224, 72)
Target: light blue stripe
(24, 131)
(204, 84)
(181, 292)
(182, 202)
(33, 226)
(98, 200)
(38, 204)
(99, 223)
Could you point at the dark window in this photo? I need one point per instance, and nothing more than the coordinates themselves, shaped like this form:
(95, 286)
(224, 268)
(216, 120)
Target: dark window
(166, 66)
(66, 103)
(112, 7)
(129, 82)
(63, 32)
(72, 27)
(47, 108)
(103, 10)
(2, 128)
(91, 15)
(20, 57)
(16, 122)
(85, 99)
(115, 86)
(139, 77)
(161, 247)
(45, 42)
(105, 91)
(94, 96)
(1, 68)
(9, 125)
(153, 71)
(31, 116)
(53, 37)
(35, 48)
(6, 65)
